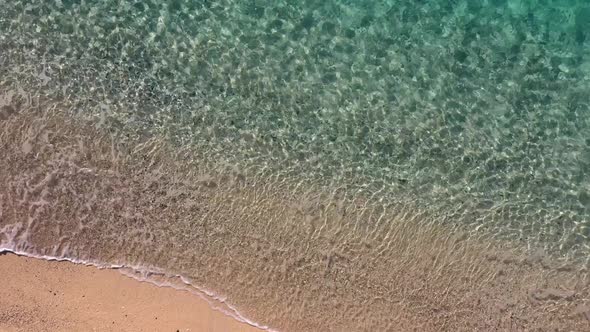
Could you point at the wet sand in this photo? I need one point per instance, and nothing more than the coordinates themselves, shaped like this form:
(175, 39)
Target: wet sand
(293, 257)
(39, 295)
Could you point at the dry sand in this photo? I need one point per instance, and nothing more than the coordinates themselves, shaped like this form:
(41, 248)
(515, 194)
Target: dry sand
(39, 295)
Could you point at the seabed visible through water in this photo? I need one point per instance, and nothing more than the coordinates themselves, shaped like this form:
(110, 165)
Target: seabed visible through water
(368, 165)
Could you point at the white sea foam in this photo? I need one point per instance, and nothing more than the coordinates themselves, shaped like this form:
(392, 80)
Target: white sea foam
(152, 275)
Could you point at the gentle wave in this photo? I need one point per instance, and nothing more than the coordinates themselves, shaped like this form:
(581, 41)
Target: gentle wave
(143, 274)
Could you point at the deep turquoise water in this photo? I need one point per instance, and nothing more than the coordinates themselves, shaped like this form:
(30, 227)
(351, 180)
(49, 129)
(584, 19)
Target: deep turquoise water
(477, 111)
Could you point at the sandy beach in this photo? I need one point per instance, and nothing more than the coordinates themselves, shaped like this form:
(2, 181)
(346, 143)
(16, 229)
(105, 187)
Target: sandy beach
(39, 295)
(325, 166)
(292, 258)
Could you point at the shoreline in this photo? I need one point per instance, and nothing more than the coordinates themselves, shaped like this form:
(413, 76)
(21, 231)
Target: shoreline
(59, 295)
(295, 258)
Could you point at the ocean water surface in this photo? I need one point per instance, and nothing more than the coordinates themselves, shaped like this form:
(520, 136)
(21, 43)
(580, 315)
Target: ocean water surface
(323, 165)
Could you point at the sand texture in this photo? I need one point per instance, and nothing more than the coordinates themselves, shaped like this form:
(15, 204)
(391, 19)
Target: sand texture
(290, 256)
(331, 165)
(39, 295)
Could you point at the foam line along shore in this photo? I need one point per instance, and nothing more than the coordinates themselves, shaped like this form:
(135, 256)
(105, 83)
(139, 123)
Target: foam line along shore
(57, 296)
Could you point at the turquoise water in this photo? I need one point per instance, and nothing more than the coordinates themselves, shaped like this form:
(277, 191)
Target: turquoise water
(475, 111)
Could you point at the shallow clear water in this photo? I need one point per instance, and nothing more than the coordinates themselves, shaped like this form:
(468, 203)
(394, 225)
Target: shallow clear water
(475, 113)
